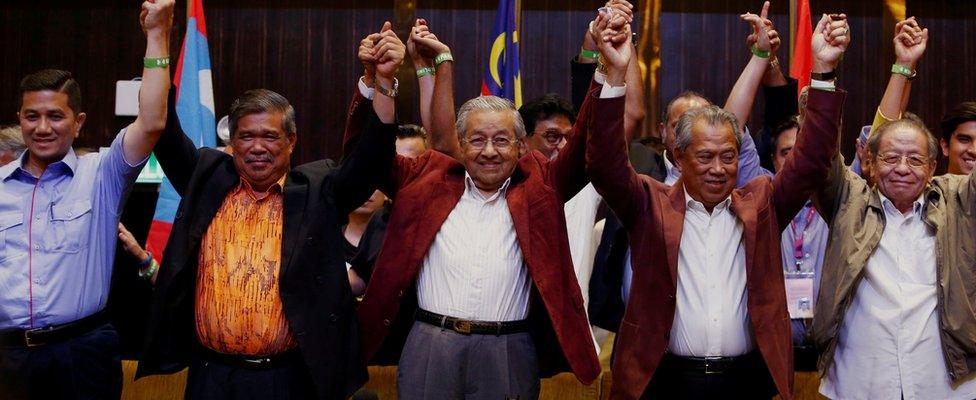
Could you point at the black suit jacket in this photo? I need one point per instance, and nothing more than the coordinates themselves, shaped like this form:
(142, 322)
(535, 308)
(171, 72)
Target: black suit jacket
(314, 286)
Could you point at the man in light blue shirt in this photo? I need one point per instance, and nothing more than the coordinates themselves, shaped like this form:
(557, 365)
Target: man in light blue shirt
(59, 217)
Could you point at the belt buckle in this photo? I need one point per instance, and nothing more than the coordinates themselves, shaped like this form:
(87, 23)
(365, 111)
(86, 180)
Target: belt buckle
(708, 365)
(27, 337)
(257, 361)
(462, 326)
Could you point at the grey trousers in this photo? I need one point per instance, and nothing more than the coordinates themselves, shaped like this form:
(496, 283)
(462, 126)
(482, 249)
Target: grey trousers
(442, 364)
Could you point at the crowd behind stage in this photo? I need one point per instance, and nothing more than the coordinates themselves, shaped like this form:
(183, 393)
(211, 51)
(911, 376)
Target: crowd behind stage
(483, 249)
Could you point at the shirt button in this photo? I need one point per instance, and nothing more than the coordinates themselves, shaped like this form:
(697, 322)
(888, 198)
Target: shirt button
(37, 247)
(37, 217)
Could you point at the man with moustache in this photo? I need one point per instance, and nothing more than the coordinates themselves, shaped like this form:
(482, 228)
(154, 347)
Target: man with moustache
(253, 293)
(477, 297)
(710, 318)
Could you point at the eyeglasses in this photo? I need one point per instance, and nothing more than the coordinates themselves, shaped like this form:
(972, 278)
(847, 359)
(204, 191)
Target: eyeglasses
(554, 137)
(499, 142)
(913, 160)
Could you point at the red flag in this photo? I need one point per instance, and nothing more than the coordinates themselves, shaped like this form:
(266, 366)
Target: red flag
(801, 64)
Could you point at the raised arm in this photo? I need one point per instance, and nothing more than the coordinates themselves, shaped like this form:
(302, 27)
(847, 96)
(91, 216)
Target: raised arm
(743, 92)
(425, 70)
(606, 148)
(909, 41)
(443, 136)
(812, 165)
(140, 136)
(371, 156)
(177, 154)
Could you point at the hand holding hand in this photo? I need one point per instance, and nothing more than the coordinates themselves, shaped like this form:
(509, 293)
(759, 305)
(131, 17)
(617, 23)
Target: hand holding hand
(419, 31)
(426, 43)
(763, 35)
(830, 40)
(388, 52)
(365, 56)
(910, 41)
(615, 49)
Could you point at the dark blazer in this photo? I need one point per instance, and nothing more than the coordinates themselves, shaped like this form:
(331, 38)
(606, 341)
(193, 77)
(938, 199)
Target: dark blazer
(653, 214)
(314, 286)
(426, 190)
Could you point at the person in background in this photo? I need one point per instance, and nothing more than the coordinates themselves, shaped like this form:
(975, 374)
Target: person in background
(958, 140)
(11, 144)
(148, 267)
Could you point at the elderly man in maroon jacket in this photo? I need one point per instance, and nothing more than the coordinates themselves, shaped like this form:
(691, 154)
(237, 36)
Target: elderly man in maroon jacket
(476, 265)
(707, 315)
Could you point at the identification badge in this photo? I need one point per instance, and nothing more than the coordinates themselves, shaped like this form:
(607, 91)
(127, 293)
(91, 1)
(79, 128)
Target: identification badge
(799, 297)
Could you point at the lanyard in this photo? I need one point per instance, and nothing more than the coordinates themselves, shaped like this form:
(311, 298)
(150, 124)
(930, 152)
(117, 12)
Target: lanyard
(798, 237)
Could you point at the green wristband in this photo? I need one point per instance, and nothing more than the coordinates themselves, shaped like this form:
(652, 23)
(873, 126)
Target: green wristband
(759, 53)
(584, 53)
(904, 71)
(162, 62)
(426, 71)
(441, 58)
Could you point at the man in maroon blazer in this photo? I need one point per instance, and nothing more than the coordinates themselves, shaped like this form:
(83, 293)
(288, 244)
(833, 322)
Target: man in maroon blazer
(707, 316)
(476, 265)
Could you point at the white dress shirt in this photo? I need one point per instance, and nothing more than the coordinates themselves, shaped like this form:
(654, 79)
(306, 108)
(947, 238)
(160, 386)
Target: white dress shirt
(474, 269)
(580, 216)
(889, 345)
(673, 172)
(711, 317)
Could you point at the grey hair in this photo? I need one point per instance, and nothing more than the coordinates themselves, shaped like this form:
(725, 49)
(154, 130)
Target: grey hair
(711, 114)
(874, 142)
(488, 103)
(11, 139)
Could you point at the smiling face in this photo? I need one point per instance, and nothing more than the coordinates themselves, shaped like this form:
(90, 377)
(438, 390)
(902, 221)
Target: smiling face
(490, 148)
(961, 149)
(262, 149)
(903, 165)
(710, 162)
(49, 126)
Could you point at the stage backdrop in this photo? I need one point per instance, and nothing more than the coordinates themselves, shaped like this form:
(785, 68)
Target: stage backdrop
(306, 50)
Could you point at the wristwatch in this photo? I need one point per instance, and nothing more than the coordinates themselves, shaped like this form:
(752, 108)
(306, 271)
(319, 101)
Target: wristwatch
(388, 92)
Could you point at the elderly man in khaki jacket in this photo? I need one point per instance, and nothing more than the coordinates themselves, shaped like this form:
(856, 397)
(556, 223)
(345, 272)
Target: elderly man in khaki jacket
(895, 316)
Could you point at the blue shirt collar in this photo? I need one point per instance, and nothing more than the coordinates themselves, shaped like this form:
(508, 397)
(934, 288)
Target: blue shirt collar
(68, 165)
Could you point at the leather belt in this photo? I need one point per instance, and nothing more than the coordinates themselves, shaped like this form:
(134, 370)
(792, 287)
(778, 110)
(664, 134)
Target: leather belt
(54, 333)
(710, 365)
(467, 327)
(251, 362)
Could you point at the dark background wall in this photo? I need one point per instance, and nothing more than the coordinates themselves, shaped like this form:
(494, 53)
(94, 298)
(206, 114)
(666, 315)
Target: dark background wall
(306, 49)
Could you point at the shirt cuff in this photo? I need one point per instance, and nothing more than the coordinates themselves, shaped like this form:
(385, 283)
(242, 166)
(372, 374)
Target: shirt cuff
(609, 92)
(823, 85)
(366, 91)
(599, 77)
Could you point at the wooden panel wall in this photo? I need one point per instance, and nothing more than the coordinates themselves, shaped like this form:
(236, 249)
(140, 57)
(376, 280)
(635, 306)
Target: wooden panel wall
(305, 49)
